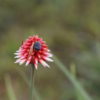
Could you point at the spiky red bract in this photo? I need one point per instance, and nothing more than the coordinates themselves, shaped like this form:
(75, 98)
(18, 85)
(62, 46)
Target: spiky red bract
(28, 54)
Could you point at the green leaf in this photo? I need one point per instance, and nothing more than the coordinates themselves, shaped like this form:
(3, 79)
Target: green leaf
(74, 81)
(9, 88)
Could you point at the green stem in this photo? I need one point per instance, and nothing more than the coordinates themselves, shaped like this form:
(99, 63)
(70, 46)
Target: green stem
(31, 82)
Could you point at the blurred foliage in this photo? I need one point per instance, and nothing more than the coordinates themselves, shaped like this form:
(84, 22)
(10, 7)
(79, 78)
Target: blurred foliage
(10, 91)
(72, 31)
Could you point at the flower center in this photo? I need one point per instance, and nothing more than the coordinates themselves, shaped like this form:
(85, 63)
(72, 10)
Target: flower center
(37, 46)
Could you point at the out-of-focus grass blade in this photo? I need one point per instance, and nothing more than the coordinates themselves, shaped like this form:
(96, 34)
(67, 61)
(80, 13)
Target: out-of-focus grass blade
(73, 69)
(74, 72)
(9, 88)
(35, 93)
(75, 82)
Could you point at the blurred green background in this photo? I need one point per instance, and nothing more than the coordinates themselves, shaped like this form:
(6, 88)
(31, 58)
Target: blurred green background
(72, 30)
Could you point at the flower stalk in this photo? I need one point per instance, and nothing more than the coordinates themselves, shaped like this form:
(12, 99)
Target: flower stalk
(32, 81)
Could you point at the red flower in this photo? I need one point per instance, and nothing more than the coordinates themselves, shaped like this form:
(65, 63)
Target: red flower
(33, 51)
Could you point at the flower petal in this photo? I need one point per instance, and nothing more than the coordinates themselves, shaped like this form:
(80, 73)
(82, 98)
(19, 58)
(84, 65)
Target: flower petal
(17, 61)
(44, 63)
(48, 59)
(36, 63)
(28, 60)
(22, 61)
(27, 63)
(48, 54)
(17, 57)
